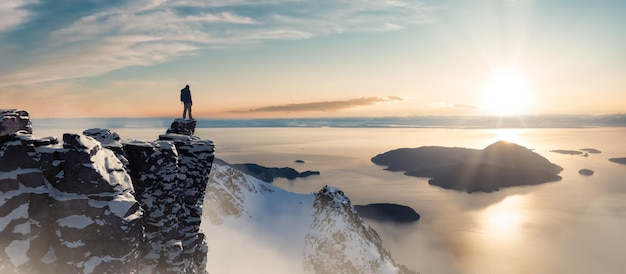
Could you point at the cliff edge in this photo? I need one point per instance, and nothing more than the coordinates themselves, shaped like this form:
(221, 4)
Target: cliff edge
(92, 203)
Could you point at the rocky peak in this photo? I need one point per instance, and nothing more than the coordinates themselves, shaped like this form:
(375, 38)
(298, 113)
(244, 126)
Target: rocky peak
(96, 204)
(13, 120)
(315, 233)
(182, 126)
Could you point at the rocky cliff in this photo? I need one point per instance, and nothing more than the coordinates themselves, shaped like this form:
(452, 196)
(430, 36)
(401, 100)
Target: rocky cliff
(91, 203)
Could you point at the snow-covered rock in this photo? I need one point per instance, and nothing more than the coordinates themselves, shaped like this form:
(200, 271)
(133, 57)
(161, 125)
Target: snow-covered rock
(256, 227)
(95, 204)
(13, 120)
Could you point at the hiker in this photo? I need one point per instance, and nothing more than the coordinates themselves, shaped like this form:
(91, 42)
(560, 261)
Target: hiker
(185, 97)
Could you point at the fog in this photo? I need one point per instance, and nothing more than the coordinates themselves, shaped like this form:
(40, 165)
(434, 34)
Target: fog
(574, 225)
(569, 226)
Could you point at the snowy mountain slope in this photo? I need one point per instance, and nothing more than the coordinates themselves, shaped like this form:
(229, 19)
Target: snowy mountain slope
(255, 227)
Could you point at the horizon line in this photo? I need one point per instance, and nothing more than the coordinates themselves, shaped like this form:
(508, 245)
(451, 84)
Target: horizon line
(431, 121)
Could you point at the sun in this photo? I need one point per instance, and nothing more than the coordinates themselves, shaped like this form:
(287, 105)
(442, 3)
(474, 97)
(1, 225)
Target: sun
(506, 93)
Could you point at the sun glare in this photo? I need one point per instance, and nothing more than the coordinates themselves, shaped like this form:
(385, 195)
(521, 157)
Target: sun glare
(512, 135)
(503, 221)
(506, 93)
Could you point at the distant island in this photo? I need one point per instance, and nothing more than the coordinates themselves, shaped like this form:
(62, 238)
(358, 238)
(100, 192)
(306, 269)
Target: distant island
(568, 152)
(501, 164)
(388, 212)
(583, 151)
(268, 174)
(619, 160)
(591, 150)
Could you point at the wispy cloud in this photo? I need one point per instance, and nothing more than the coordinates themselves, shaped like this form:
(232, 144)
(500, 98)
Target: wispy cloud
(12, 13)
(91, 38)
(453, 106)
(324, 106)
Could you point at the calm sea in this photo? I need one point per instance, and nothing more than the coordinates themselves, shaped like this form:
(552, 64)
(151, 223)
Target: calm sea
(571, 226)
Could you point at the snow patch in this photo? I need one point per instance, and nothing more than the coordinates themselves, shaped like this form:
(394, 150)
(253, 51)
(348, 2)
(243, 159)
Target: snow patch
(23, 228)
(75, 221)
(16, 251)
(12, 175)
(121, 205)
(20, 212)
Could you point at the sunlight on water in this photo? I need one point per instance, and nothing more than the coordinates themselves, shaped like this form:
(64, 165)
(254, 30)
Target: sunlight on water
(502, 221)
(512, 135)
(499, 239)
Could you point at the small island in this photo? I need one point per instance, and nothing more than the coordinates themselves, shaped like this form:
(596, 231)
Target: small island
(568, 152)
(619, 160)
(591, 150)
(388, 212)
(268, 174)
(583, 151)
(585, 172)
(502, 164)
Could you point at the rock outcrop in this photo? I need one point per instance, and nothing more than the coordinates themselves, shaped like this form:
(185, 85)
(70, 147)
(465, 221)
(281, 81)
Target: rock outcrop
(13, 120)
(92, 203)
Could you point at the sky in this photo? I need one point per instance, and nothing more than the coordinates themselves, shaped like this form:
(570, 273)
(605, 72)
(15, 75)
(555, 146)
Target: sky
(297, 58)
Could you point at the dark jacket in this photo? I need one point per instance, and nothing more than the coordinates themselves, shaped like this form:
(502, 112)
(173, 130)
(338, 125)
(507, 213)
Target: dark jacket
(185, 95)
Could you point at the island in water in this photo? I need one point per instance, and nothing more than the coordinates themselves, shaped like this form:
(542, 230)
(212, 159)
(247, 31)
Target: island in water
(585, 172)
(268, 174)
(618, 160)
(501, 164)
(388, 212)
(583, 151)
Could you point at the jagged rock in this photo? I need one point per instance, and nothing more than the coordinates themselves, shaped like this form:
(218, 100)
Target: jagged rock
(13, 120)
(182, 126)
(78, 211)
(100, 205)
(170, 177)
(110, 140)
(24, 206)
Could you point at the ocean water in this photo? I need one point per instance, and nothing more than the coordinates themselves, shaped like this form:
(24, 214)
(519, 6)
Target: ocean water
(575, 225)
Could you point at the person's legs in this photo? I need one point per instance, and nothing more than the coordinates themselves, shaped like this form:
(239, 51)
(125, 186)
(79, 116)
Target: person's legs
(186, 110)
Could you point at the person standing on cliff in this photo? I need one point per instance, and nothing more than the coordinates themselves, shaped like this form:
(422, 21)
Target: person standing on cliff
(185, 97)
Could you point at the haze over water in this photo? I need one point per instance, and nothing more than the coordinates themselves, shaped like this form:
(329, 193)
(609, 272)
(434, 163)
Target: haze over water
(570, 226)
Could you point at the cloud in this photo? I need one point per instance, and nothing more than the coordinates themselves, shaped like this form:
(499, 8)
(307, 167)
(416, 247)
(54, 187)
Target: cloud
(13, 13)
(324, 106)
(52, 40)
(453, 106)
